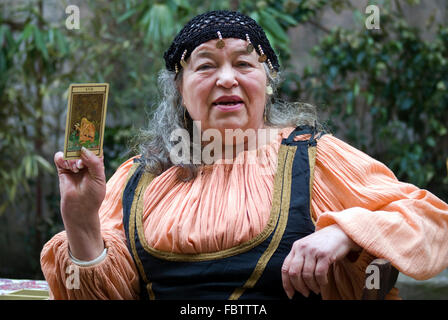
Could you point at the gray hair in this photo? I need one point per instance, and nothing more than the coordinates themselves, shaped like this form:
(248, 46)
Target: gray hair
(154, 144)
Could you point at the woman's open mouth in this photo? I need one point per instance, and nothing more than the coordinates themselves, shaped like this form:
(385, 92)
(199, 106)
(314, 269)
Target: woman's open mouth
(228, 106)
(227, 103)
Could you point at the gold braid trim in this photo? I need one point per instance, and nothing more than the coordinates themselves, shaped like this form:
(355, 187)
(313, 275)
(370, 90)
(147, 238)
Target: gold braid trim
(282, 197)
(137, 206)
(312, 162)
(243, 247)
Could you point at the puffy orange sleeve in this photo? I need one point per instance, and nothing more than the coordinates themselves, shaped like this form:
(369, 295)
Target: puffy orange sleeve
(389, 219)
(115, 277)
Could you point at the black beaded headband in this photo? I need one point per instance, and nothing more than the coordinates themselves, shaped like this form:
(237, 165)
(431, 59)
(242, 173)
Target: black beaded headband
(220, 25)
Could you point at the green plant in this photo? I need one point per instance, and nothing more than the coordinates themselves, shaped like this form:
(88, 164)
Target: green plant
(28, 43)
(386, 90)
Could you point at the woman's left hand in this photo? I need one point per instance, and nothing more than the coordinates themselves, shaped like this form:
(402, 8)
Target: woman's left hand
(306, 266)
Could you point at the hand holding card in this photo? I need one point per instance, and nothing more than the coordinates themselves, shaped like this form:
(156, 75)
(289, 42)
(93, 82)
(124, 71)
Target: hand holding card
(82, 193)
(82, 182)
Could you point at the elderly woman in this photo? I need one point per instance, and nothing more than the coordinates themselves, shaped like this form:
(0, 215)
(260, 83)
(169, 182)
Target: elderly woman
(299, 215)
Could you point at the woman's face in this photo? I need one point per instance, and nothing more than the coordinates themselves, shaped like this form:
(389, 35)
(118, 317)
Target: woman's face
(225, 88)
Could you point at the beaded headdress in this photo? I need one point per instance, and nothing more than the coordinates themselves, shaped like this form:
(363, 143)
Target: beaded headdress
(220, 25)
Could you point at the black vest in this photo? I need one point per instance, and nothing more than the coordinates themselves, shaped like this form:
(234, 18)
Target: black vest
(251, 270)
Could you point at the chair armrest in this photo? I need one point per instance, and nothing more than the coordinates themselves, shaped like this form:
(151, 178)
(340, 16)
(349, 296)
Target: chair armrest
(387, 277)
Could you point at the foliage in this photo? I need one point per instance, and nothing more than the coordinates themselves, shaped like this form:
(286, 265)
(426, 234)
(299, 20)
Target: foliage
(387, 90)
(33, 45)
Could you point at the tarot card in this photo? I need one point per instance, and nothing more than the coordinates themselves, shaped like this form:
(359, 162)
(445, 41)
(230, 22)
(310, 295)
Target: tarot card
(86, 119)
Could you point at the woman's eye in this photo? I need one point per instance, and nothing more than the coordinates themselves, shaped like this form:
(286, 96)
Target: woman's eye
(204, 67)
(243, 64)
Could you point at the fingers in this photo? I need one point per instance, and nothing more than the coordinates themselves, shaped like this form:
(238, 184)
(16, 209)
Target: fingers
(295, 274)
(292, 275)
(306, 266)
(94, 164)
(308, 273)
(70, 165)
(321, 272)
(287, 284)
(304, 271)
(64, 165)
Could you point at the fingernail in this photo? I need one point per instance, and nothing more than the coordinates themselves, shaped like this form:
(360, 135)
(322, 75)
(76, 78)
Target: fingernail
(86, 151)
(79, 164)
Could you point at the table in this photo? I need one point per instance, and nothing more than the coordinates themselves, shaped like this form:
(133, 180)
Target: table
(23, 289)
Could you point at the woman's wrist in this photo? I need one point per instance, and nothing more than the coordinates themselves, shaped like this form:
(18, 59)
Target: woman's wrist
(85, 244)
(89, 263)
(353, 247)
(355, 250)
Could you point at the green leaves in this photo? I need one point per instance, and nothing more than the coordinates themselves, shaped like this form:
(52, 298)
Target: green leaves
(127, 15)
(13, 178)
(394, 82)
(7, 49)
(32, 51)
(39, 39)
(275, 33)
(158, 23)
(60, 43)
(49, 43)
(31, 163)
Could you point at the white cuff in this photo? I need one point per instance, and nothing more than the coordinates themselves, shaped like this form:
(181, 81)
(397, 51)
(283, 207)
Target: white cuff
(90, 263)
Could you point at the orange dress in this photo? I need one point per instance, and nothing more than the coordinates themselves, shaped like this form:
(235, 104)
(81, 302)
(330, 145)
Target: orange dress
(387, 218)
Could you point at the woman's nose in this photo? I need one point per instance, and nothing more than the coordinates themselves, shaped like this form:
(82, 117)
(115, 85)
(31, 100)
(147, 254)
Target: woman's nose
(226, 77)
